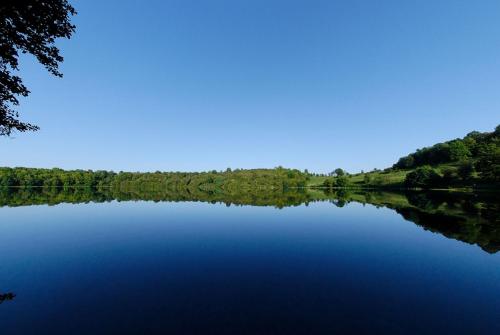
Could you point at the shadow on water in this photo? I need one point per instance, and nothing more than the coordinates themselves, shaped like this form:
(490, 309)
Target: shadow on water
(473, 218)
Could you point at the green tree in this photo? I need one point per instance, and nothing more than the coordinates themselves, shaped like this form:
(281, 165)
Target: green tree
(342, 181)
(449, 175)
(422, 177)
(458, 151)
(465, 170)
(405, 162)
(488, 164)
(339, 172)
(28, 26)
(327, 183)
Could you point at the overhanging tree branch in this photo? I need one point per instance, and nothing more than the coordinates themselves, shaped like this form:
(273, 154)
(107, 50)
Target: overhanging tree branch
(28, 26)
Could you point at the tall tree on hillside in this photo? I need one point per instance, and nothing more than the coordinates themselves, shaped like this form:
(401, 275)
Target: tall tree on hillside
(28, 26)
(339, 172)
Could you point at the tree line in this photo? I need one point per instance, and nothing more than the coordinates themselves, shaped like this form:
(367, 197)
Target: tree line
(212, 181)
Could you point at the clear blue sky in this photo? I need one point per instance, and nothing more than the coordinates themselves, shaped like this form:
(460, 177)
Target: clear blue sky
(198, 85)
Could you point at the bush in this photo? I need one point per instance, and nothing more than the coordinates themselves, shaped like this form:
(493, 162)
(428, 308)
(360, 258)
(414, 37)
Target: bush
(465, 170)
(342, 181)
(449, 175)
(327, 183)
(488, 164)
(422, 177)
(367, 179)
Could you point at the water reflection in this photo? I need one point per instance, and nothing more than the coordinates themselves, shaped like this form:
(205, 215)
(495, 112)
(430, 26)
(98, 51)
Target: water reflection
(145, 267)
(473, 218)
(6, 297)
(13, 197)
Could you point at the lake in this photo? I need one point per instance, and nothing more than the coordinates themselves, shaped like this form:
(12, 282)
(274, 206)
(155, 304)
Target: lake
(308, 262)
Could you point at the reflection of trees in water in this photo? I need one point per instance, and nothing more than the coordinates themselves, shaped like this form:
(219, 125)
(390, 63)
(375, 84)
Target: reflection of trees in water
(468, 217)
(474, 231)
(54, 196)
(6, 297)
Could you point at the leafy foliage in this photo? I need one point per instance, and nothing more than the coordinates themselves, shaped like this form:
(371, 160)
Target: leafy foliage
(213, 181)
(472, 162)
(339, 172)
(341, 181)
(488, 164)
(422, 177)
(467, 148)
(29, 26)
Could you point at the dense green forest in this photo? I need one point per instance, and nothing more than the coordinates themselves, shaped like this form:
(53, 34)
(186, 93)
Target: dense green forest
(469, 162)
(213, 181)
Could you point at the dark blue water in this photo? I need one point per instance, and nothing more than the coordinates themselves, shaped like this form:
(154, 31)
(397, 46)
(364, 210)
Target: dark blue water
(197, 268)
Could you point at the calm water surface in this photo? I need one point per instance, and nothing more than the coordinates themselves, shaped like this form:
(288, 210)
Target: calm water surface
(142, 267)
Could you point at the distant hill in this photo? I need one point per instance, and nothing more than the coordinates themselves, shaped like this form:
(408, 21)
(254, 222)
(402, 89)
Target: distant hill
(469, 162)
(472, 147)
